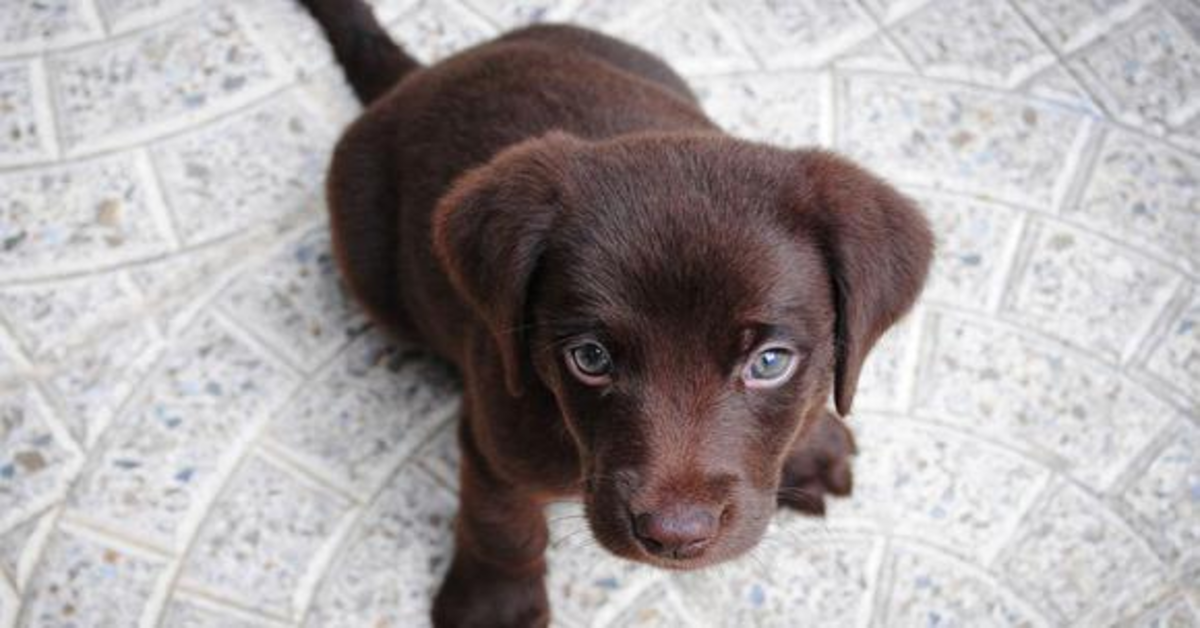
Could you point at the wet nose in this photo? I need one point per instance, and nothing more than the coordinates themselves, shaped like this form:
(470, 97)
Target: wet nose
(681, 531)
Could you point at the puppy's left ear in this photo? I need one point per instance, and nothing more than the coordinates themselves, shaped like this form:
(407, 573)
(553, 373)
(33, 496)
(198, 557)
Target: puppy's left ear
(878, 246)
(489, 232)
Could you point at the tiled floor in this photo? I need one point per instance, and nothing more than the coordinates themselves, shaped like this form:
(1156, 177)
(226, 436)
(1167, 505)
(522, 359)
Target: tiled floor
(197, 429)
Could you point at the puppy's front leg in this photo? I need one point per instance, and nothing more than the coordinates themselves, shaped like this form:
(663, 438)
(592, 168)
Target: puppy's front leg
(497, 576)
(818, 464)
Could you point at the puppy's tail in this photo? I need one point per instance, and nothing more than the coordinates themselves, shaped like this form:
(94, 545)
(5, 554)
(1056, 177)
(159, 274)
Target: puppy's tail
(372, 61)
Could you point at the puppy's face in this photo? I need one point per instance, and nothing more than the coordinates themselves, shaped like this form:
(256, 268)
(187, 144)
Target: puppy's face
(687, 301)
(684, 333)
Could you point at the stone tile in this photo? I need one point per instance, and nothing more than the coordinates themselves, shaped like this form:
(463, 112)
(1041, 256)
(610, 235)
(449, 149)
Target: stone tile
(116, 92)
(9, 604)
(37, 459)
(1069, 25)
(1175, 356)
(877, 54)
(290, 31)
(610, 14)
(891, 10)
(440, 455)
(49, 315)
(83, 580)
(510, 15)
(1176, 613)
(77, 216)
(257, 166)
(657, 607)
(26, 125)
(800, 33)
(296, 301)
(1071, 553)
(992, 144)
(1144, 193)
(37, 26)
(92, 380)
(881, 383)
(932, 589)
(981, 42)
(1058, 85)
(692, 38)
(1166, 495)
(194, 613)
(821, 576)
(1074, 413)
(433, 29)
(209, 390)
(265, 534)
(922, 481)
(14, 543)
(393, 561)
(125, 15)
(383, 402)
(1149, 74)
(585, 581)
(973, 236)
(1088, 291)
(782, 108)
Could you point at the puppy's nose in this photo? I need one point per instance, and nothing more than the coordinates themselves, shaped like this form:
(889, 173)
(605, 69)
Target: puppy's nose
(680, 531)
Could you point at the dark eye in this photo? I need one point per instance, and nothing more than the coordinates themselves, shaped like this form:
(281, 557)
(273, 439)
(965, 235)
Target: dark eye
(769, 367)
(590, 362)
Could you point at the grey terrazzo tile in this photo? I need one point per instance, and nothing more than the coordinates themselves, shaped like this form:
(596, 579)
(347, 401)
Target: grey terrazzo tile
(1070, 411)
(800, 33)
(263, 536)
(973, 237)
(1166, 495)
(657, 607)
(692, 37)
(76, 216)
(84, 580)
(891, 10)
(1175, 355)
(509, 15)
(260, 166)
(783, 108)
(958, 138)
(1057, 84)
(1087, 290)
(1070, 554)
(296, 301)
(392, 562)
(882, 380)
(1069, 25)
(46, 24)
(26, 127)
(197, 613)
(812, 573)
(981, 42)
(111, 93)
(1149, 74)
(291, 33)
(125, 15)
(918, 480)
(877, 53)
(585, 582)
(381, 401)
(14, 543)
(210, 389)
(1146, 193)
(433, 29)
(929, 588)
(37, 458)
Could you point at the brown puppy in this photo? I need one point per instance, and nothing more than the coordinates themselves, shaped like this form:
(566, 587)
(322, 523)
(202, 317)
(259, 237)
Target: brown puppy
(647, 313)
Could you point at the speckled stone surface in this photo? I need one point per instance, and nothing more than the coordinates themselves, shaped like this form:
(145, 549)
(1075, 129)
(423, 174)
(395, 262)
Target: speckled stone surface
(199, 429)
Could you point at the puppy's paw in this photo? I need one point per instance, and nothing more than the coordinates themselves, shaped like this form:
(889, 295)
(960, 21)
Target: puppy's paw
(474, 596)
(819, 465)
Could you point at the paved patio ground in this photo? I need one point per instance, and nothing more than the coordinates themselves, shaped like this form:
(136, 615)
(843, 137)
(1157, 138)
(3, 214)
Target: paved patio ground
(197, 428)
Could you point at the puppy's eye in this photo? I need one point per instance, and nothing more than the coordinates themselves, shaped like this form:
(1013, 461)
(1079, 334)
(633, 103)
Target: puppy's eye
(590, 363)
(770, 367)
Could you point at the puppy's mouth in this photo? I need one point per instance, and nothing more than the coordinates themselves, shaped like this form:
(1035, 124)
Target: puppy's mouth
(678, 537)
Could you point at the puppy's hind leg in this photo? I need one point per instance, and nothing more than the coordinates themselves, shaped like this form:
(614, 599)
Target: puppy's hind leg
(364, 207)
(819, 465)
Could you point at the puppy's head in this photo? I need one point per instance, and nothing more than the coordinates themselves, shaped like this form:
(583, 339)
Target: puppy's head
(689, 301)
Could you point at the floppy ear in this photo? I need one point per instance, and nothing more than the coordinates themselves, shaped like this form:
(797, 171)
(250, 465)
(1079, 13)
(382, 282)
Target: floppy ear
(489, 232)
(878, 246)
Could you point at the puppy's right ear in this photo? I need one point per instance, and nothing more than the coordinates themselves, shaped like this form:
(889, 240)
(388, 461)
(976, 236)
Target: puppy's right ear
(489, 232)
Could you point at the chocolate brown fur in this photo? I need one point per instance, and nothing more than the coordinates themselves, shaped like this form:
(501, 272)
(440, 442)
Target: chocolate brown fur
(555, 185)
